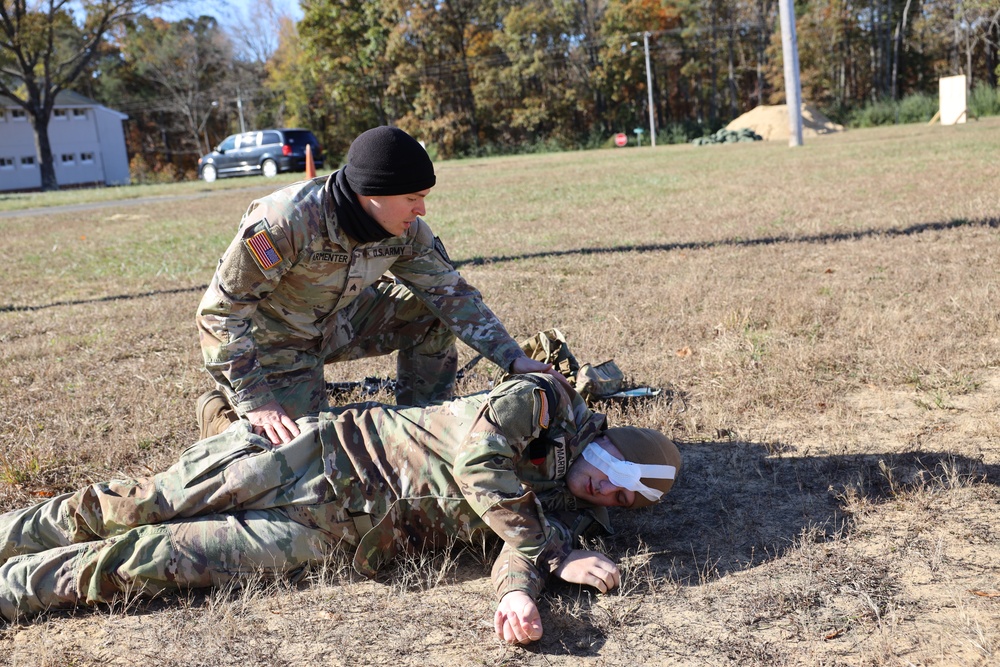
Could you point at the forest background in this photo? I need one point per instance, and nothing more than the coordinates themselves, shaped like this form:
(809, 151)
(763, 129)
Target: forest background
(489, 77)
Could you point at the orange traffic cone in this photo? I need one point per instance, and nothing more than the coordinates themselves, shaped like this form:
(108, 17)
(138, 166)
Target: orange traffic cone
(310, 165)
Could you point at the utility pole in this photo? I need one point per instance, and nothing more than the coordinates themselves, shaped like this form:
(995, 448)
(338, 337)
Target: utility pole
(649, 89)
(790, 56)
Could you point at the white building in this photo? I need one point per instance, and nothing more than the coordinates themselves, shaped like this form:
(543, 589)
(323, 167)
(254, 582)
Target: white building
(88, 144)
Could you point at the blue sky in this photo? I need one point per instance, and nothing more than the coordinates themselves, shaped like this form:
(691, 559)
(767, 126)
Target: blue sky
(227, 13)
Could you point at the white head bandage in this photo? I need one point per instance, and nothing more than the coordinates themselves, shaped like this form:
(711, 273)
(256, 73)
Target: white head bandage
(625, 473)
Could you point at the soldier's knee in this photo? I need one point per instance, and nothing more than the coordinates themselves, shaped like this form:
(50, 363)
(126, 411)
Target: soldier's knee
(438, 341)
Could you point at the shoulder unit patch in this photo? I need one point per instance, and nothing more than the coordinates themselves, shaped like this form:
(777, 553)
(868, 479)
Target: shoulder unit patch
(262, 248)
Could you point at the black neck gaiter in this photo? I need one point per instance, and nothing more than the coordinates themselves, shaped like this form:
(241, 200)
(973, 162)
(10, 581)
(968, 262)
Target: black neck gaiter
(357, 224)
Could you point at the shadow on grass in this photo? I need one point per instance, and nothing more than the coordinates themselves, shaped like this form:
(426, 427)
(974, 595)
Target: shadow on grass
(659, 247)
(833, 237)
(738, 505)
(103, 299)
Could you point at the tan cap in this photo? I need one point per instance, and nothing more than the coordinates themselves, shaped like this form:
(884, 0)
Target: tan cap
(648, 446)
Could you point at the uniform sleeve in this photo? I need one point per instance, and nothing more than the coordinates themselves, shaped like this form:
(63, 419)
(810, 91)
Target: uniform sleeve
(430, 274)
(512, 571)
(250, 269)
(486, 472)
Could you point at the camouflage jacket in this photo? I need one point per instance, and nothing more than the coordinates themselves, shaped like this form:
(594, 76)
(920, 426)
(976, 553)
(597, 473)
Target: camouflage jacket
(291, 269)
(486, 464)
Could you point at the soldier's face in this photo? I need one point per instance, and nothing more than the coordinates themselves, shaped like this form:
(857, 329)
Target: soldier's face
(589, 483)
(395, 213)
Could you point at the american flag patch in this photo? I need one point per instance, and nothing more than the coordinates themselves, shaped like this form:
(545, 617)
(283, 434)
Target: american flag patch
(263, 249)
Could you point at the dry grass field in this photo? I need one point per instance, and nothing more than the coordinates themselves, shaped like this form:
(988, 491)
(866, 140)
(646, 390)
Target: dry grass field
(824, 322)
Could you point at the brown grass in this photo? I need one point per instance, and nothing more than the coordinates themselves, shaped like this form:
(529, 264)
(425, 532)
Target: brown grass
(823, 319)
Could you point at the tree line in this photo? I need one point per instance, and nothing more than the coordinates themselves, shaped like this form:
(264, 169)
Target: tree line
(483, 77)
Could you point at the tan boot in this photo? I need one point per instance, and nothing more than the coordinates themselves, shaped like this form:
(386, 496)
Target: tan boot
(214, 414)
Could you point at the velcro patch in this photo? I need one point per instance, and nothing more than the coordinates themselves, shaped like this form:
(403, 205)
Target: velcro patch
(439, 246)
(543, 410)
(389, 251)
(334, 257)
(262, 248)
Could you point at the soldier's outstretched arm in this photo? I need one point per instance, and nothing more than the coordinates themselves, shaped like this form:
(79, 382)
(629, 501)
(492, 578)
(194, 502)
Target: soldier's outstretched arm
(518, 581)
(485, 469)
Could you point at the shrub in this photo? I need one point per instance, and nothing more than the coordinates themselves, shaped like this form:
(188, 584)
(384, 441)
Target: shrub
(143, 173)
(917, 108)
(139, 169)
(683, 132)
(874, 114)
(984, 100)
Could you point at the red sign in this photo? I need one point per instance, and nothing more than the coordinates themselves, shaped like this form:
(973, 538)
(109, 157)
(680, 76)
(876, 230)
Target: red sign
(621, 139)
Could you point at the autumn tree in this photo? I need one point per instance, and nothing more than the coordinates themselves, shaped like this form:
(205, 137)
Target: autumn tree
(525, 88)
(435, 47)
(623, 70)
(331, 72)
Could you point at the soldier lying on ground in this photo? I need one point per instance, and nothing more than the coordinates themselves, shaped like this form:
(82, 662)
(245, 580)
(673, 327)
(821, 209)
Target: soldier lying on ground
(302, 285)
(527, 462)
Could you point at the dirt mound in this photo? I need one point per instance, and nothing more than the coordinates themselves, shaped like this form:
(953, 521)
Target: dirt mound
(771, 122)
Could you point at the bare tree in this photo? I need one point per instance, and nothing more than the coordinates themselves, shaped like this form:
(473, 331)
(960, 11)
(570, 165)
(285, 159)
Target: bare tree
(189, 61)
(256, 35)
(256, 32)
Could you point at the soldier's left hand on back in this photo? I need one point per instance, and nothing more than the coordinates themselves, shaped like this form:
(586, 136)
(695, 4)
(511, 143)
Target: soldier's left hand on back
(591, 568)
(272, 422)
(526, 364)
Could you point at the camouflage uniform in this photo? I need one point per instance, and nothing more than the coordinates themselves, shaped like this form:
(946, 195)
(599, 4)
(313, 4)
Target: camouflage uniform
(293, 292)
(373, 478)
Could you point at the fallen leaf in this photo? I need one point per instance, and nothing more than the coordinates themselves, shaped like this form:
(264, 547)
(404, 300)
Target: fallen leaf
(828, 271)
(684, 352)
(833, 634)
(985, 594)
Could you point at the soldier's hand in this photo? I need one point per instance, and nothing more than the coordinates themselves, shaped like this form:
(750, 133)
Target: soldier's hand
(526, 364)
(272, 422)
(517, 620)
(591, 568)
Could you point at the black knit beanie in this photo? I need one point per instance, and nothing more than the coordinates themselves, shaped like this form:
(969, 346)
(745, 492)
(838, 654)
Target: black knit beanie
(387, 161)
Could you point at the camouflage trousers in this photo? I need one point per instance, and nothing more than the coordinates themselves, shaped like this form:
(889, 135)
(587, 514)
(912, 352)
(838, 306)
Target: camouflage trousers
(231, 506)
(385, 317)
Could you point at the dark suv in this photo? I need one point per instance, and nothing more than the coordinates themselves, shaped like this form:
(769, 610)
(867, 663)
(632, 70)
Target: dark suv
(265, 152)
